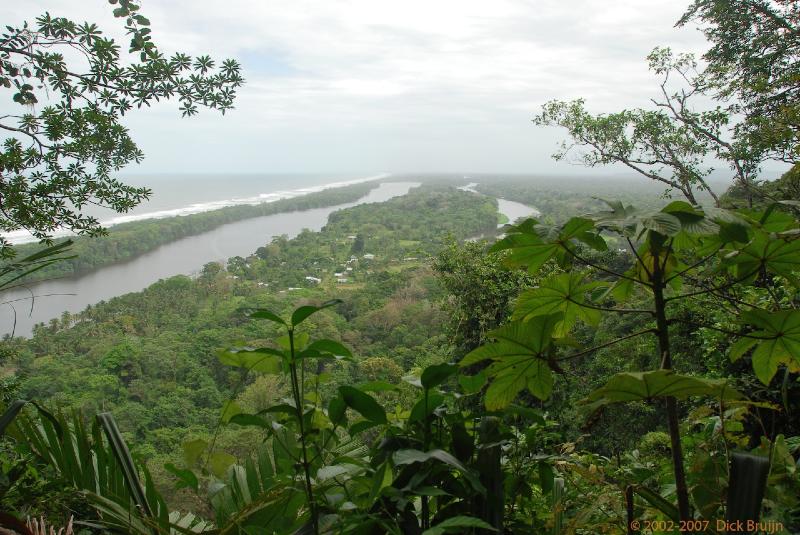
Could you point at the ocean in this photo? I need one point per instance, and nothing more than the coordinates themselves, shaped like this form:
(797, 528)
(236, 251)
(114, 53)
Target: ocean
(183, 194)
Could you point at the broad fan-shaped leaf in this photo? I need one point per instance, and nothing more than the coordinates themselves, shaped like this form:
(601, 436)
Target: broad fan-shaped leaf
(472, 384)
(519, 360)
(526, 248)
(693, 220)
(515, 339)
(778, 342)
(564, 293)
(661, 223)
(639, 386)
(778, 255)
(532, 244)
(675, 218)
(512, 375)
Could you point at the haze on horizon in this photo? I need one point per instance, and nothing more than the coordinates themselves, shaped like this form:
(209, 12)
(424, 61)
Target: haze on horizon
(364, 87)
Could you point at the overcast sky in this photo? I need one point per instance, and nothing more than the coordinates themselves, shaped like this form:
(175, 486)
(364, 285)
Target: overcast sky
(365, 86)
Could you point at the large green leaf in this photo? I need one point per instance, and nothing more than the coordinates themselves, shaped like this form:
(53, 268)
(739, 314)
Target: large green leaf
(123, 456)
(14, 409)
(779, 255)
(618, 218)
(401, 457)
(639, 386)
(660, 223)
(564, 293)
(337, 409)
(425, 406)
(693, 219)
(219, 462)
(512, 375)
(518, 360)
(363, 403)
(584, 231)
(458, 524)
(301, 313)
(193, 449)
(778, 342)
(436, 374)
(472, 384)
(526, 248)
(186, 478)
(325, 348)
(263, 313)
(517, 338)
(677, 218)
(532, 244)
(575, 228)
(264, 359)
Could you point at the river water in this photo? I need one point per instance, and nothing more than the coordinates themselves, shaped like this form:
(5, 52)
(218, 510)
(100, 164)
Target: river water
(511, 209)
(185, 256)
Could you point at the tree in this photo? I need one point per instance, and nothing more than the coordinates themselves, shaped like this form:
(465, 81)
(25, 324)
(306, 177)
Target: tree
(479, 291)
(358, 245)
(752, 74)
(754, 60)
(671, 143)
(61, 158)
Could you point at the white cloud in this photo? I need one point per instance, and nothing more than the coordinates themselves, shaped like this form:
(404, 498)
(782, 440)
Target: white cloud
(372, 85)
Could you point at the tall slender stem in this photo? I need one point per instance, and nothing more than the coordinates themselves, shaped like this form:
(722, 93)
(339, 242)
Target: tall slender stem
(299, 406)
(425, 445)
(662, 333)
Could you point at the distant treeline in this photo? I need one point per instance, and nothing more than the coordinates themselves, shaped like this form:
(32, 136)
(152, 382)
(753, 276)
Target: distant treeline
(558, 198)
(128, 240)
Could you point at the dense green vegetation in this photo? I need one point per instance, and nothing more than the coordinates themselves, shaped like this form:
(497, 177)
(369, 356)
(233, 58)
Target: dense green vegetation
(131, 355)
(128, 240)
(169, 392)
(632, 369)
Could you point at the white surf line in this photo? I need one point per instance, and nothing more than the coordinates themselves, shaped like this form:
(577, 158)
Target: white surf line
(23, 236)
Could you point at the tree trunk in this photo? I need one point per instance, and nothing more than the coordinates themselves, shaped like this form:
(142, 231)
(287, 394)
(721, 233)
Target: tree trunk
(662, 328)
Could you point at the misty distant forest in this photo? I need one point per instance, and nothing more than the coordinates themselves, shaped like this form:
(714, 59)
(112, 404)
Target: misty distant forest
(613, 349)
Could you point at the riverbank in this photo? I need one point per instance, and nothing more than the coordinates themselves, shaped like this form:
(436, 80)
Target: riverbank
(50, 298)
(127, 241)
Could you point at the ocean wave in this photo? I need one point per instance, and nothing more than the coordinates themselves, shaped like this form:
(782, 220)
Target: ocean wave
(23, 236)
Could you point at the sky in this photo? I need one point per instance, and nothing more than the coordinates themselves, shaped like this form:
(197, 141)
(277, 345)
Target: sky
(369, 86)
